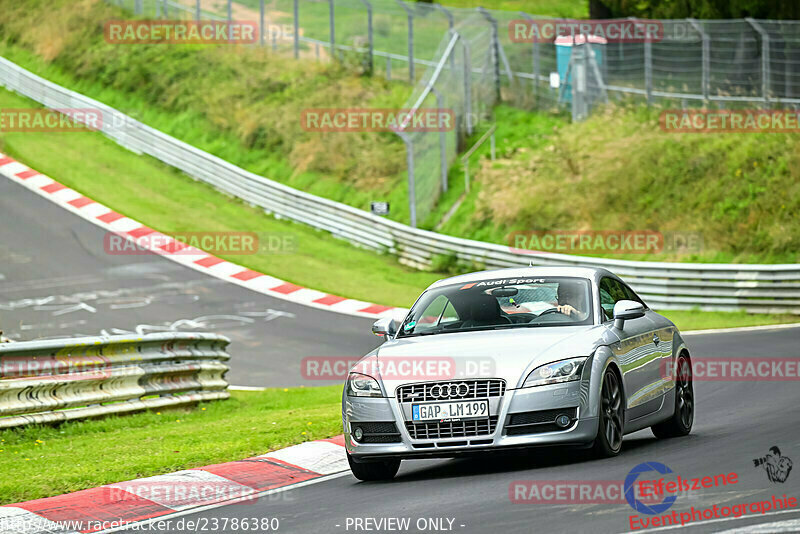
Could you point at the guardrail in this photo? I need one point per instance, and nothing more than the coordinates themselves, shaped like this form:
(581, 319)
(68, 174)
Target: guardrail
(721, 287)
(64, 379)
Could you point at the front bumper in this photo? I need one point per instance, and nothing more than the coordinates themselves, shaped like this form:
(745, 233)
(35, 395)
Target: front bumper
(515, 401)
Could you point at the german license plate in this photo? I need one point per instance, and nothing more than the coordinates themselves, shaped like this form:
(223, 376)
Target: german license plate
(450, 410)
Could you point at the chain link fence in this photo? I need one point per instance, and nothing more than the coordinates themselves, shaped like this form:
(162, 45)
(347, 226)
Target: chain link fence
(685, 63)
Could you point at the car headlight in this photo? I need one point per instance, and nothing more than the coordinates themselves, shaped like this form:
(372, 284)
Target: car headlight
(359, 385)
(556, 372)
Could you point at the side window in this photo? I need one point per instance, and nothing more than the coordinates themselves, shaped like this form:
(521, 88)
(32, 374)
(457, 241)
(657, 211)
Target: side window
(631, 295)
(611, 292)
(450, 315)
(439, 311)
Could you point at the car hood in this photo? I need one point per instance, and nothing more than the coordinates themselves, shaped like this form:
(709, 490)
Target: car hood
(506, 354)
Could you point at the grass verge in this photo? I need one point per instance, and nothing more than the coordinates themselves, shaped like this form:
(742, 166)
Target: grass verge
(51, 460)
(169, 201)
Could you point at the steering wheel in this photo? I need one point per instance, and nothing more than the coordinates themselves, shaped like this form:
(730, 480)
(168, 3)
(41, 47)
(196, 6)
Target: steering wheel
(548, 310)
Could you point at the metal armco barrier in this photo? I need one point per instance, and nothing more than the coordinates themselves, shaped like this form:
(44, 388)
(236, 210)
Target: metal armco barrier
(63, 379)
(721, 287)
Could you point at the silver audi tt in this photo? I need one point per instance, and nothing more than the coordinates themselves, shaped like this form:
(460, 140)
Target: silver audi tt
(516, 358)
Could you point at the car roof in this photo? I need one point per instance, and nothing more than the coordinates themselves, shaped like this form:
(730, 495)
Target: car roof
(589, 273)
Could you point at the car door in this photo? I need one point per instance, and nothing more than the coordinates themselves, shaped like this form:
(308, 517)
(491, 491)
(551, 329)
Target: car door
(636, 351)
(663, 333)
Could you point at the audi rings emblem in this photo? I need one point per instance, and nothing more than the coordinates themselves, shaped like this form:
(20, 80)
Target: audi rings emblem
(448, 391)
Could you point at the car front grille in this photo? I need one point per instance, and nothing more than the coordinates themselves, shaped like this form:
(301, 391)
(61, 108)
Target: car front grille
(538, 422)
(476, 389)
(451, 429)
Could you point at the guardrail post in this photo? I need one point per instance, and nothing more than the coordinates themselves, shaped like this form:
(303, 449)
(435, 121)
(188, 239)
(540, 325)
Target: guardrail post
(332, 25)
(765, 53)
(706, 80)
(442, 139)
(370, 38)
(410, 15)
(296, 29)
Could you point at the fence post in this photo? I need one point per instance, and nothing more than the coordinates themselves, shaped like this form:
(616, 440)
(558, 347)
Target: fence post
(536, 67)
(450, 24)
(765, 70)
(648, 66)
(706, 81)
(370, 41)
(158, 9)
(410, 14)
(296, 29)
(137, 7)
(412, 198)
(495, 51)
(389, 67)
(230, 12)
(578, 59)
(332, 15)
(261, 22)
(467, 86)
(442, 140)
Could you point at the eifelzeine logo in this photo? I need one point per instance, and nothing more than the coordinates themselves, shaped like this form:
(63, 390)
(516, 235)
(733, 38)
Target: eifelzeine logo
(180, 32)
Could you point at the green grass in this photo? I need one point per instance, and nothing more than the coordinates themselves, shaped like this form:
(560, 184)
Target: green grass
(51, 460)
(619, 171)
(159, 196)
(699, 320)
(163, 198)
(616, 171)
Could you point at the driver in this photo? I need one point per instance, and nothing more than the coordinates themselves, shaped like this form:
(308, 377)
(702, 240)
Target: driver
(571, 301)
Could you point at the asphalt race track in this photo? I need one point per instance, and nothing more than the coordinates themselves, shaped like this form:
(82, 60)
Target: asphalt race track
(735, 423)
(56, 280)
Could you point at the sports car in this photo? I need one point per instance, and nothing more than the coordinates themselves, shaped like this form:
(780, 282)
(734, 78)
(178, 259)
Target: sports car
(516, 358)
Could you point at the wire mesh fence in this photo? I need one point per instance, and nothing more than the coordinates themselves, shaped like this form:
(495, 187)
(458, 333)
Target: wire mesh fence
(578, 66)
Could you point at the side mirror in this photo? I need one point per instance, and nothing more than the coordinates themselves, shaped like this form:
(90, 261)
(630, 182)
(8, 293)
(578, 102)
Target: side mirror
(627, 309)
(386, 327)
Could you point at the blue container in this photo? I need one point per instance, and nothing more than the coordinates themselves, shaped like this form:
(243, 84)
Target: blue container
(564, 46)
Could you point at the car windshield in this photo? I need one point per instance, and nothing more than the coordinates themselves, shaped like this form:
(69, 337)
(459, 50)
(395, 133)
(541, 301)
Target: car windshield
(500, 304)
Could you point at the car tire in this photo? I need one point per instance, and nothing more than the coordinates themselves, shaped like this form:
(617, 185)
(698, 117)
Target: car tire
(680, 423)
(610, 427)
(373, 471)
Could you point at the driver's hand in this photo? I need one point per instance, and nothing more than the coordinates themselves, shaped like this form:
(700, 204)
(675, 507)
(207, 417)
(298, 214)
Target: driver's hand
(568, 310)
